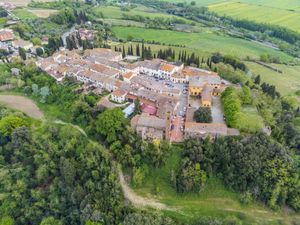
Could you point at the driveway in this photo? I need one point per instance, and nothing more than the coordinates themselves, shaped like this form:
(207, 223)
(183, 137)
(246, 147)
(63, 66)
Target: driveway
(217, 110)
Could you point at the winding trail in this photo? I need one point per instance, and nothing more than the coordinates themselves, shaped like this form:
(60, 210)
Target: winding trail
(136, 200)
(29, 107)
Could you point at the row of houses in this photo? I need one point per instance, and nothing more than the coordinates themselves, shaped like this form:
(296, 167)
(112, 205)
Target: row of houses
(127, 82)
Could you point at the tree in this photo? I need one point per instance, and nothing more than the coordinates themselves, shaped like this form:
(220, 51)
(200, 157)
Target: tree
(110, 123)
(51, 221)
(190, 178)
(203, 115)
(137, 106)
(10, 123)
(246, 95)
(123, 52)
(39, 51)
(6, 220)
(22, 53)
(257, 80)
(44, 92)
(138, 50)
(36, 41)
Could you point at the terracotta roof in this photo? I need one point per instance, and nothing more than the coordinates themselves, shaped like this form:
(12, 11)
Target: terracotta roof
(193, 71)
(98, 67)
(128, 75)
(119, 92)
(167, 67)
(6, 35)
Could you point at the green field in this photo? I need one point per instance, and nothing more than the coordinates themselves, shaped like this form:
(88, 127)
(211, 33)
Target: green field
(205, 42)
(215, 200)
(286, 83)
(113, 12)
(279, 12)
(251, 121)
(24, 14)
(287, 15)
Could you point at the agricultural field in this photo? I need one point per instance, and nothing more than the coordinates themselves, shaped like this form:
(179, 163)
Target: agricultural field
(206, 42)
(287, 16)
(214, 201)
(287, 83)
(23, 2)
(113, 12)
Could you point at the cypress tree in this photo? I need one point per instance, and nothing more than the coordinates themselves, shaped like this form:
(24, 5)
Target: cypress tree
(138, 50)
(131, 50)
(123, 52)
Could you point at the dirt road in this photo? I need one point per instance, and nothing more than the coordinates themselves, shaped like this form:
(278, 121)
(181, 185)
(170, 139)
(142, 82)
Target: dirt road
(23, 104)
(137, 200)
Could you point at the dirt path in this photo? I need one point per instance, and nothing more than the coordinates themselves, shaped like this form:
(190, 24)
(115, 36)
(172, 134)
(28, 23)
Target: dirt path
(23, 104)
(137, 200)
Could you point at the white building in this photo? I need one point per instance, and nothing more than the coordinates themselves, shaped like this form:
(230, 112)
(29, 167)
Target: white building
(119, 96)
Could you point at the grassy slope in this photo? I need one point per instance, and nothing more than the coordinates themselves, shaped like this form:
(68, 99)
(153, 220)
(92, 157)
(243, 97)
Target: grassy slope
(287, 83)
(215, 200)
(206, 42)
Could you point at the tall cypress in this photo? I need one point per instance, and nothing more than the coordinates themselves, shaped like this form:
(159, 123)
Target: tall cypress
(123, 52)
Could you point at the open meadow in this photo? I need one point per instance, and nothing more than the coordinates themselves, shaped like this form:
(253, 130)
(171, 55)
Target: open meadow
(208, 42)
(287, 83)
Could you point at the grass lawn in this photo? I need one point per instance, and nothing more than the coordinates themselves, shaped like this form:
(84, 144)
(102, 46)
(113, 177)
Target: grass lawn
(250, 119)
(286, 83)
(205, 42)
(24, 14)
(215, 200)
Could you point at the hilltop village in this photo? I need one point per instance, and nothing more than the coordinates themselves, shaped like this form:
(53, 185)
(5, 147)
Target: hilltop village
(168, 92)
